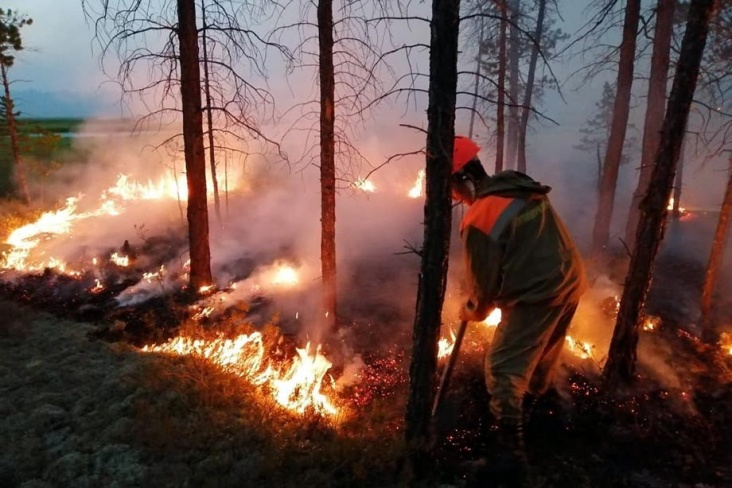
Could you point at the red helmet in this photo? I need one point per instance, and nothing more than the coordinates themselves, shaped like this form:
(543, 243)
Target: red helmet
(464, 150)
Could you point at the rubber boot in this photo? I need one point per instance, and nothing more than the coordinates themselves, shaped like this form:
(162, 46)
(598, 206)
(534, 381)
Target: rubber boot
(528, 407)
(506, 465)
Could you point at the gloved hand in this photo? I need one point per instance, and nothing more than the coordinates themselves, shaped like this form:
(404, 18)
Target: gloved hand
(470, 313)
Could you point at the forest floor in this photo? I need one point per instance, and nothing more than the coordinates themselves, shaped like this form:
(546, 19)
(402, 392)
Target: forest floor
(83, 406)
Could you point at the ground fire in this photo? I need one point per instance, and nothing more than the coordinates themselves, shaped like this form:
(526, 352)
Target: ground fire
(296, 386)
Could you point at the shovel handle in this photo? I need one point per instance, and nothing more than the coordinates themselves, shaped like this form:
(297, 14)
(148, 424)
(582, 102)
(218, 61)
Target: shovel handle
(447, 372)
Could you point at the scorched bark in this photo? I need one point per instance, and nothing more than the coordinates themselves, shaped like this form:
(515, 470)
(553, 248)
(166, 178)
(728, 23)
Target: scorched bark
(190, 90)
(437, 218)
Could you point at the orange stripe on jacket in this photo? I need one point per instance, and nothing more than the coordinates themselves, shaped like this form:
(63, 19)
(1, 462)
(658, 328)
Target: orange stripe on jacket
(484, 213)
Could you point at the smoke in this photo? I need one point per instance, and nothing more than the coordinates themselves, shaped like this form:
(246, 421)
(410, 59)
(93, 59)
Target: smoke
(130, 191)
(271, 221)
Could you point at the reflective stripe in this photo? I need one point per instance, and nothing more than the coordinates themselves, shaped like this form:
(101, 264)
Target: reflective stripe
(506, 216)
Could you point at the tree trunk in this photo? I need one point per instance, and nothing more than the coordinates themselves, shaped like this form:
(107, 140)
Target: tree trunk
(190, 91)
(654, 110)
(209, 118)
(327, 160)
(598, 183)
(679, 181)
(716, 257)
(18, 168)
(477, 79)
(513, 83)
(501, 105)
(524, 125)
(437, 219)
(621, 109)
(622, 356)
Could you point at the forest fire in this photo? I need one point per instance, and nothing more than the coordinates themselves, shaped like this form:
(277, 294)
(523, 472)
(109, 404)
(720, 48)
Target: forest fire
(284, 274)
(365, 185)
(24, 241)
(296, 386)
(725, 341)
(445, 345)
(583, 350)
(670, 206)
(120, 260)
(417, 190)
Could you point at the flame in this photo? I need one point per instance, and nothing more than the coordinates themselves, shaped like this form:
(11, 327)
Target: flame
(417, 190)
(581, 349)
(50, 224)
(205, 312)
(299, 387)
(97, 286)
(120, 260)
(284, 274)
(494, 318)
(670, 206)
(651, 323)
(61, 222)
(365, 185)
(445, 345)
(168, 187)
(725, 341)
(157, 275)
(296, 387)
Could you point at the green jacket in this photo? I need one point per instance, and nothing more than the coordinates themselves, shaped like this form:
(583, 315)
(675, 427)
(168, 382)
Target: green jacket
(516, 248)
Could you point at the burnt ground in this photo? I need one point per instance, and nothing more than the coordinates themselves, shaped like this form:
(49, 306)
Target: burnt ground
(82, 407)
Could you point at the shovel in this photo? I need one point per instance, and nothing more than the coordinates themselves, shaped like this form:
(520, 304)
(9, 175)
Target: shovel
(447, 372)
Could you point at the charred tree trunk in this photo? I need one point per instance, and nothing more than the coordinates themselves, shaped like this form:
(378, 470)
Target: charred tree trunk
(621, 110)
(501, 105)
(679, 181)
(716, 257)
(598, 183)
(622, 356)
(18, 168)
(190, 91)
(209, 118)
(327, 160)
(514, 52)
(654, 110)
(437, 218)
(524, 125)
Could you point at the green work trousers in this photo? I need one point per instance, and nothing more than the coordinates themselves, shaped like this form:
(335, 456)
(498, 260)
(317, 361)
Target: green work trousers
(524, 354)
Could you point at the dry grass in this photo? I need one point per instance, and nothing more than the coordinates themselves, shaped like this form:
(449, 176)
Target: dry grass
(14, 214)
(233, 434)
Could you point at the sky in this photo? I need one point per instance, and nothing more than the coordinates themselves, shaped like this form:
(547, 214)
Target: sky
(59, 74)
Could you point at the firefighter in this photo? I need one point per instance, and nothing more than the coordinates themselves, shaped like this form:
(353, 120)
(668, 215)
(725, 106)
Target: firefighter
(520, 258)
